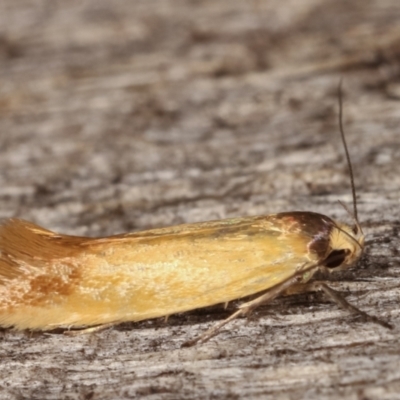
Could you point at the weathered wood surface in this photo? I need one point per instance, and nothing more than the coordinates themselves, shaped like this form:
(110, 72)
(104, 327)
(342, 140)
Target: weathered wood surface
(119, 116)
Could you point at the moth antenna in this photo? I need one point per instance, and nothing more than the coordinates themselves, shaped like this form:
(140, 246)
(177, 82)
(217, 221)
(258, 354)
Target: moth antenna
(346, 150)
(346, 233)
(351, 214)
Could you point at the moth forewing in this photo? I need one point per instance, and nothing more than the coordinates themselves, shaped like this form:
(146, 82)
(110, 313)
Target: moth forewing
(47, 277)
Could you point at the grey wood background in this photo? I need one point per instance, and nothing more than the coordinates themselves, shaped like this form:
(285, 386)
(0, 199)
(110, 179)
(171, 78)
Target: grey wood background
(125, 115)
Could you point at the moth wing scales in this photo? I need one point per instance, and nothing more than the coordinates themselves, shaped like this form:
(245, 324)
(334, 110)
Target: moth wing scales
(141, 276)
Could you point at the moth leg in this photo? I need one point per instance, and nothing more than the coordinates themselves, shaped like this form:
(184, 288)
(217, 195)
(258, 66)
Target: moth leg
(298, 288)
(92, 329)
(337, 298)
(245, 308)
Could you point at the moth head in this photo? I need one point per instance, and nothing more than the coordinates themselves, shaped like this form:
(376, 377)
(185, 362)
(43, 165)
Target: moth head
(346, 247)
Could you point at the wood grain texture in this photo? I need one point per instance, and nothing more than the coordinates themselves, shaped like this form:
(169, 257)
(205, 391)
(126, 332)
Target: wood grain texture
(124, 116)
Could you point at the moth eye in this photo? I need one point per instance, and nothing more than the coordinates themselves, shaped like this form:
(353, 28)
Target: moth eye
(336, 258)
(355, 229)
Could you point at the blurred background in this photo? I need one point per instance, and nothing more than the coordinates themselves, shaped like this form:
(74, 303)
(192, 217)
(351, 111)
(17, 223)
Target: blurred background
(126, 115)
(100, 99)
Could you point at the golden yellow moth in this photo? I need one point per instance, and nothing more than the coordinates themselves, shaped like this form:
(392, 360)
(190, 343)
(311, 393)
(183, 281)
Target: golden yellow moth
(49, 280)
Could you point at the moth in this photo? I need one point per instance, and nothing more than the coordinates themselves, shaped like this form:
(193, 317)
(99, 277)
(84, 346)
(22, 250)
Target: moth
(49, 280)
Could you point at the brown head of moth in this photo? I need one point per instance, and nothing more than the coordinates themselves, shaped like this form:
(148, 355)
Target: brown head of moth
(50, 280)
